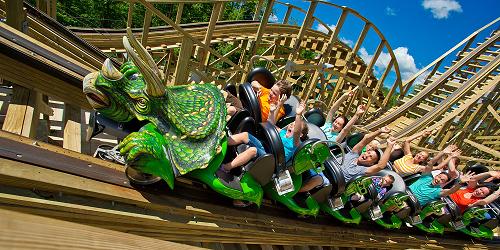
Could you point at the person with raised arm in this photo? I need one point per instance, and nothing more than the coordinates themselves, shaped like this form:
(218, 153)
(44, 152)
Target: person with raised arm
(427, 188)
(267, 96)
(370, 162)
(410, 164)
(337, 129)
(475, 194)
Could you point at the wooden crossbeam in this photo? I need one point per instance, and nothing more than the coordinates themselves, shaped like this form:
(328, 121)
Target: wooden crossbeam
(26, 231)
(483, 148)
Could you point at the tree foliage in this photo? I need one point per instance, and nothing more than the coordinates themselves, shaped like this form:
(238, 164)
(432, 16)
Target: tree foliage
(113, 13)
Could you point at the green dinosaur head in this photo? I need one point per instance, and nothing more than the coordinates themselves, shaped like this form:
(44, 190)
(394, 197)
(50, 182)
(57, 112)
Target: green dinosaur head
(135, 91)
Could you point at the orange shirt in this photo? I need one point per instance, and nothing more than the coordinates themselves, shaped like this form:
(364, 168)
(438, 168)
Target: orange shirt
(265, 107)
(462, 202)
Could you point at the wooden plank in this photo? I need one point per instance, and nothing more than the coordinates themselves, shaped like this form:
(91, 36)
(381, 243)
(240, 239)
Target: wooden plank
(16, 16)
(494, 113)
(178, 16)
(182, 69)
(147, 23)
(483, 148)
(22, 112)
(25, 231)
(72, 128)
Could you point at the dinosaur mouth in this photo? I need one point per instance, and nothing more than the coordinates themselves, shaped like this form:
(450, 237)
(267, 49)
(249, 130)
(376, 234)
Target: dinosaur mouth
(95, 97)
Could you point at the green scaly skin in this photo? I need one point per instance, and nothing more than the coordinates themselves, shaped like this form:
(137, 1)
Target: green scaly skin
(186, 129)
(434, 227)
(478, 213)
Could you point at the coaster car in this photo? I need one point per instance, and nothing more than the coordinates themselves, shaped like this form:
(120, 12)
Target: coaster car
(242, 185)
(479, 222)
(391, 210)
(311, 154)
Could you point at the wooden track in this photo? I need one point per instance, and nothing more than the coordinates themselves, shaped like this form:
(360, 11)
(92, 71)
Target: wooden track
(155, 213)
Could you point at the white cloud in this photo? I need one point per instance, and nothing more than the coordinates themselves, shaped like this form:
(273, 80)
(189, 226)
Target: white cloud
(406, 62)
(272, 18)
(347, 41)
(441, 8)
(421, 78)
(321, 28)
(390, 11)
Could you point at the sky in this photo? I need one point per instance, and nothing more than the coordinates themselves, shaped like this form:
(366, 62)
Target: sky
(418, 31)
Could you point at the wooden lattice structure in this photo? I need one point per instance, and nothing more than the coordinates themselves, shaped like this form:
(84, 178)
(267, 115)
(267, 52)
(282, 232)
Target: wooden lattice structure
(42, 61)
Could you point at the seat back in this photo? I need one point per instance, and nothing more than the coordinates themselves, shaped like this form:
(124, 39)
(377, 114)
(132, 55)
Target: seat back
(322, 193)
(231, 88)
(237, 119)
(453, 208)
(101, 124)
(315, 116)
(268, 135)
(316, 132)
(263, 76)
(250, 102)
(353, 139)
(335, 176)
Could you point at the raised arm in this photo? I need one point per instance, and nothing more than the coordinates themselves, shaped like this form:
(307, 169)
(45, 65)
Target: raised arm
(336, 105)
(297, 129)
(382, 163)
(407, 147)
(491, 175)
(489, 199)
(274, 109)
(448, 150)
(368, 138)
(463, 179)
(343, 133)
(256, 86)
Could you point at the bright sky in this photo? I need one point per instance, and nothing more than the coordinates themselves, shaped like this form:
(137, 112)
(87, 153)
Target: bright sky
(418, 31)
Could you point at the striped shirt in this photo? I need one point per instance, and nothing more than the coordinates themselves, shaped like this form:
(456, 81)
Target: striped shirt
(405, 166)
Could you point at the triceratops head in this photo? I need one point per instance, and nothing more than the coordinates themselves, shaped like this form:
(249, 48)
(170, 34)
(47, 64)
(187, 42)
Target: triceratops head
(135, 91)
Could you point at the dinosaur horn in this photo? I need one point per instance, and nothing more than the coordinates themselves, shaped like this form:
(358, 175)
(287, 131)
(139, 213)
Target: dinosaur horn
(109, 71)
(145, 63)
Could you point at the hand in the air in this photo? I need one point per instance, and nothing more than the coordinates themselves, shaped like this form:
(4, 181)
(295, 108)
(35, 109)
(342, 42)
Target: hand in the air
(391, 141)
(466, 177)
(385, 130)
(450, 148)
(301, 108)
(361, 109)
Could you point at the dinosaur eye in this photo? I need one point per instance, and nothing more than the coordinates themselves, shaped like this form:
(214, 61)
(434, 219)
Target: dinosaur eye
(141, 105)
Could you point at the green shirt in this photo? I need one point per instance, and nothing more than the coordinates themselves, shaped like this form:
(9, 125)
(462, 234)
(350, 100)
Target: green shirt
(424, 191)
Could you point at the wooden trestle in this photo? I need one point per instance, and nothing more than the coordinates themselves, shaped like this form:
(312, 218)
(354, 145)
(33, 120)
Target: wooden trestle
(42, 65)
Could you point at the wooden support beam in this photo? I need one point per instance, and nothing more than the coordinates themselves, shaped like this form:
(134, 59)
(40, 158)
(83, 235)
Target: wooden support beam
(26, 231)
(258, 8)
(147, 23)
(296, 46)
(494, 113)
(182, 70)
(288, 13)
(180, 8)
(202, 55)
(483, 148)
(16, 16)
(72, 138)
(23, 112)
(262, 26)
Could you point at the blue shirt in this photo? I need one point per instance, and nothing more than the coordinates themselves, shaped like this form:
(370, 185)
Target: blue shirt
(288, 145)
(331, 135)
(424, 191)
